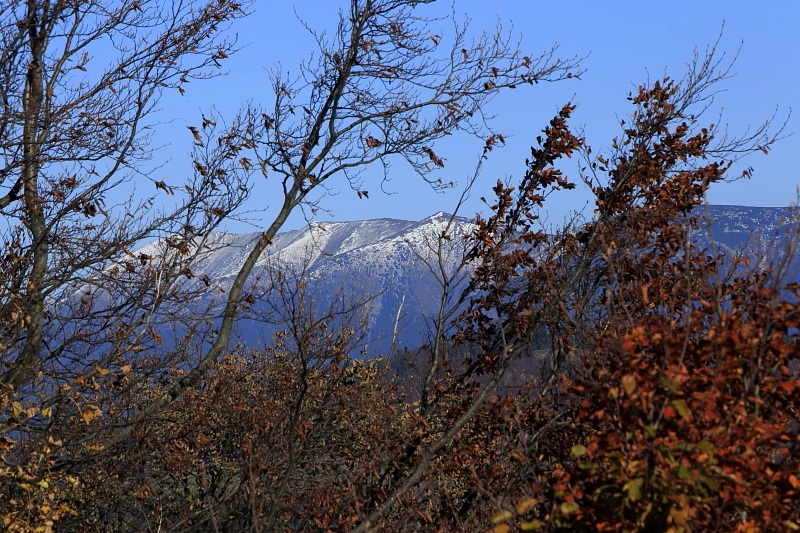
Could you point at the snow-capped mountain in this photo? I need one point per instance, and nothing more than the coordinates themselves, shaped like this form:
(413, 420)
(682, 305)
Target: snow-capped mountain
(395, 264)
(398, 264)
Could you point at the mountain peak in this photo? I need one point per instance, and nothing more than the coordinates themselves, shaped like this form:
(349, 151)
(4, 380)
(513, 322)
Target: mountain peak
(438, 216)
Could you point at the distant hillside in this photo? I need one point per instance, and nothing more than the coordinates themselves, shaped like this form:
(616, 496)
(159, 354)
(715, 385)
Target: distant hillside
(736, 226)
(394, 261)
(391, 260)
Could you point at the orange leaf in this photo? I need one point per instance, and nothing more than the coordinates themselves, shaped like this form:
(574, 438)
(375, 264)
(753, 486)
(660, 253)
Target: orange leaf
(629, 384)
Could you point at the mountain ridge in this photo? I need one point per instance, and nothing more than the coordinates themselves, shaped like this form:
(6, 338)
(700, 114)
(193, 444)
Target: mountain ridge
(395, 261)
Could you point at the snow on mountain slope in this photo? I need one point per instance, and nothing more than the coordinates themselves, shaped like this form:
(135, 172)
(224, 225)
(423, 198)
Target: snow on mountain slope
(395, 261)
(402, 269)
(735, 226)
(224, 254)
(362, 244)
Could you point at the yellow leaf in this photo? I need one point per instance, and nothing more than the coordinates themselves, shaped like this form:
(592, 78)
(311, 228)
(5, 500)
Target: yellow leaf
(578, 450)
(91, 413)
(501, 516)
(502, 528)
(569, 507)
(526, 505)
(534, 525)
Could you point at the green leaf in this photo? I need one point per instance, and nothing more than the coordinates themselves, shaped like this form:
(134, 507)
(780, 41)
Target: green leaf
(685, 473)
(706, 447)
(681, 407)
(669, 385)
(712, 484)
(634, 489)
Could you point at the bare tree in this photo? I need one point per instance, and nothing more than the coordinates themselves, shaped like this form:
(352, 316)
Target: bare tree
(82, 321)
(79, 85)
(72, 129)
(380, 87)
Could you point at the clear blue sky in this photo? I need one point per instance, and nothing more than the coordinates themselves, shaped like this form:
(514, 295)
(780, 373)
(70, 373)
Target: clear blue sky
(624, 39)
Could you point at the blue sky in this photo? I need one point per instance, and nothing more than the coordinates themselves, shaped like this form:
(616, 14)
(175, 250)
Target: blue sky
(625, 41)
